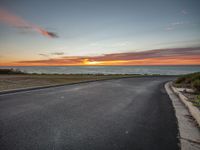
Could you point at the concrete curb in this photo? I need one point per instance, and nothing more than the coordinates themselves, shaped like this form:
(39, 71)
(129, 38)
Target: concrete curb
(194, 111)
(189, 133)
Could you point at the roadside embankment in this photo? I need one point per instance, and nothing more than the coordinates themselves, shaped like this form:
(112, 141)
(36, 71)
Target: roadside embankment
(195, 112)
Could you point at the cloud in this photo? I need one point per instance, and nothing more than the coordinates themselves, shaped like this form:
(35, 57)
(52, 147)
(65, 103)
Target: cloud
(175, 56)
(177, 23)
(17, 22)
(52, 54)
(158, 53)
(169, 28)
(184, 12)
(58, 53)
(44, 55)
(174, 25)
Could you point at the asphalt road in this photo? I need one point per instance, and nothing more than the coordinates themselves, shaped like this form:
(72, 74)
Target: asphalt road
(122, 114)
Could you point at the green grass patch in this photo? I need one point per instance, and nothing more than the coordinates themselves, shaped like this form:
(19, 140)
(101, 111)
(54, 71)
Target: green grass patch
(196, 101)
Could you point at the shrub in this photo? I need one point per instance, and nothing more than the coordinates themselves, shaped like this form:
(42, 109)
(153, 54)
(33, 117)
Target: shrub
(196, 85)
(180, 80)
(187, 79)
(196, 102)
(11, 71)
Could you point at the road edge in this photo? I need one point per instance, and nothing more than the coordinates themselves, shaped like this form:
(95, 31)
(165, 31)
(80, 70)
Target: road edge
(194, 111)
(189, 133)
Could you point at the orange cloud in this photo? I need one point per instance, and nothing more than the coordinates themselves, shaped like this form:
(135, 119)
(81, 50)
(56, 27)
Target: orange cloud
(176, 56)
(18, 22)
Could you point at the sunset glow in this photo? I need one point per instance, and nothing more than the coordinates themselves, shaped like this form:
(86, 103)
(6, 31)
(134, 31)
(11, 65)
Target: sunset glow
(98, 74)
(96, 33)
(154, 57)
(86, 62)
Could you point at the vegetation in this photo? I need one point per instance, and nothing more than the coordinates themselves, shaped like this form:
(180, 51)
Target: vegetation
(11, 71)
(196, 101)
(196, 85)
(15, 79)
(189, 81)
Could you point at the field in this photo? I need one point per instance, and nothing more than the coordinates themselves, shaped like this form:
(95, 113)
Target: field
(11, 79)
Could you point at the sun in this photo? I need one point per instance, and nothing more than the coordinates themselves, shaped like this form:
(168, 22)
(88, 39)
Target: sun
(93, 62)
(88, 62)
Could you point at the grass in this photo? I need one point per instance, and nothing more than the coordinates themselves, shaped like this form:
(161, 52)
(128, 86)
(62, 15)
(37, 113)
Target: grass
(189, 81)
(15, 79)
(196, 101)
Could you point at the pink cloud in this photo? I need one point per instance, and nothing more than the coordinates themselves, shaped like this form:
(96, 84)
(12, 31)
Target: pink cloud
(16, 21)
(158, 56)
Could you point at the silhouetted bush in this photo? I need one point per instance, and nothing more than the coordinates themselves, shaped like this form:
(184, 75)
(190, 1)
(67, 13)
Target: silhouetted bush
(11, 71)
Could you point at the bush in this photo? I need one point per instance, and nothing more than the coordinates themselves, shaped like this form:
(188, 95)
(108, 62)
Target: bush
(180, 80)
(196, 102)
(190, 81)
(196, 85)
(11, 71)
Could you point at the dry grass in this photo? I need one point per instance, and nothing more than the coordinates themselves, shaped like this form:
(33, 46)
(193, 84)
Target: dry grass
(189, 81)
(9, 82)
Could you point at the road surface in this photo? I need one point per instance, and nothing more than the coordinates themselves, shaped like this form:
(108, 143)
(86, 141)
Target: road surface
(121, 114)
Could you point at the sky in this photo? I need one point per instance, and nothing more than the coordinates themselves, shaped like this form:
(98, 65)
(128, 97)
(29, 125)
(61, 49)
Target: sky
(99, 32)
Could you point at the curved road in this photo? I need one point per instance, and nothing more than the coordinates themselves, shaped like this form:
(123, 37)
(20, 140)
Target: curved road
(122, 114)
